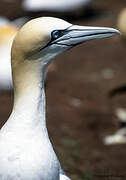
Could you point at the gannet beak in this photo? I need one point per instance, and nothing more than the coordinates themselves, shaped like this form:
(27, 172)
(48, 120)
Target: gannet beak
(78, 34)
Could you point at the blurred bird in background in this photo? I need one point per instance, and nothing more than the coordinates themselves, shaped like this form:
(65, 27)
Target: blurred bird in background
(8, 30)
(54, 5)
(119, 137)
(7, 33)
(121, 23)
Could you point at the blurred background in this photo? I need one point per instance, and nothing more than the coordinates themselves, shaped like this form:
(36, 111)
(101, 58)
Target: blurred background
(85, 88)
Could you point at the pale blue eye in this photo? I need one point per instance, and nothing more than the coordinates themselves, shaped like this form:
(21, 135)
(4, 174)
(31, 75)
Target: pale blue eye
(55, 34)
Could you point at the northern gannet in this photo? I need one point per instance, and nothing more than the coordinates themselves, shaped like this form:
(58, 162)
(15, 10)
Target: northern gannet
(121, 23)
(7, 34)
(26, 152)
(8, 30)
(54, 5)
(119, 137)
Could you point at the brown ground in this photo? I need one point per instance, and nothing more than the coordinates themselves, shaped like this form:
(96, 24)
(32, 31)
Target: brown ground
(79, 112)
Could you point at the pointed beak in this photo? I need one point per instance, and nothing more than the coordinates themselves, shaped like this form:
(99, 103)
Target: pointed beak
(78, 34)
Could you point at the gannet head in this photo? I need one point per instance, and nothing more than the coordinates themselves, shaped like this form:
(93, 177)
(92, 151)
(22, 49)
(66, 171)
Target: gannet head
(39, 41)
(43, 38)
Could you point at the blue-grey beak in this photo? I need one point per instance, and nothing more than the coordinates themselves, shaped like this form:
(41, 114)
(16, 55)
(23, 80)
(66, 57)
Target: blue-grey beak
(78, 34)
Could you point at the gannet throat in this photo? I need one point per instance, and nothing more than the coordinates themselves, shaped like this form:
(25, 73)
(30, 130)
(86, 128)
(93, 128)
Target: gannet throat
(26, 152)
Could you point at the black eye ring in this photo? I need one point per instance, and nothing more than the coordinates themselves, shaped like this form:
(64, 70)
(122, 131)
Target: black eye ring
(55, 34)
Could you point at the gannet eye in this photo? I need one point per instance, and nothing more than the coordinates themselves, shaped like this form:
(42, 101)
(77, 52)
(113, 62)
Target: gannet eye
(56, 34)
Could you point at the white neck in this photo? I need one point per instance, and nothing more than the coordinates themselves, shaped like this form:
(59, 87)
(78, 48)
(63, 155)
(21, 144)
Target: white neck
(25, 130)
(29, 104)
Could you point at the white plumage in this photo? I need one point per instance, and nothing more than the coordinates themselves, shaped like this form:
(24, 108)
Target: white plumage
(26, 152)
(54, 5)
